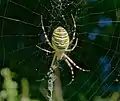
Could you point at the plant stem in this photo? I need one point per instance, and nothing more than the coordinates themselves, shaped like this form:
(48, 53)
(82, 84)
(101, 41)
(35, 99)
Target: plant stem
(57, 86)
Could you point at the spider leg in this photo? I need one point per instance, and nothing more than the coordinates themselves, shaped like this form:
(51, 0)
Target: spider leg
(71, 61)
(45, 49)
(72, 72)
(50, 71)
(53, 61)
(45, 33)
(73, 30)
(68, 50)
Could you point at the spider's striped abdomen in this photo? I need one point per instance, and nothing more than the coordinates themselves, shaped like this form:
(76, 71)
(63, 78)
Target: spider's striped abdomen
(60, 39)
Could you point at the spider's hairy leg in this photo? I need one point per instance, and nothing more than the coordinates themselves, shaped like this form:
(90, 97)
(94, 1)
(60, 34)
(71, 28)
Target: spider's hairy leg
(45, 33)
(45, 49)
(74, 31)
(71, 61)
(68, 50)
(72, 72)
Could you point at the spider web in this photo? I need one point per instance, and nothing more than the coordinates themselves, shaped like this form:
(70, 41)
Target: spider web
(98, 47)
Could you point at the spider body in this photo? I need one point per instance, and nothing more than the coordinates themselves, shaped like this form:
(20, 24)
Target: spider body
(60, 44)
(60, 41)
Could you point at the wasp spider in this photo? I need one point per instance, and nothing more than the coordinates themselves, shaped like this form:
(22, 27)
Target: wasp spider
(60, 44)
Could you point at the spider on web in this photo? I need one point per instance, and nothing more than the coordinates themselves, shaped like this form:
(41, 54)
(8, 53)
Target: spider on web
(60, 44)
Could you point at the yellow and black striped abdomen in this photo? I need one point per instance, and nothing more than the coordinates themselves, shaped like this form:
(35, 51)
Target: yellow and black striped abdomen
(60, 39)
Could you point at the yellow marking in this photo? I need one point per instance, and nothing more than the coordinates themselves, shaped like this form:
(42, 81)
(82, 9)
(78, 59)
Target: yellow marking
(57, 38)
(60, 34)
(64, 46)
